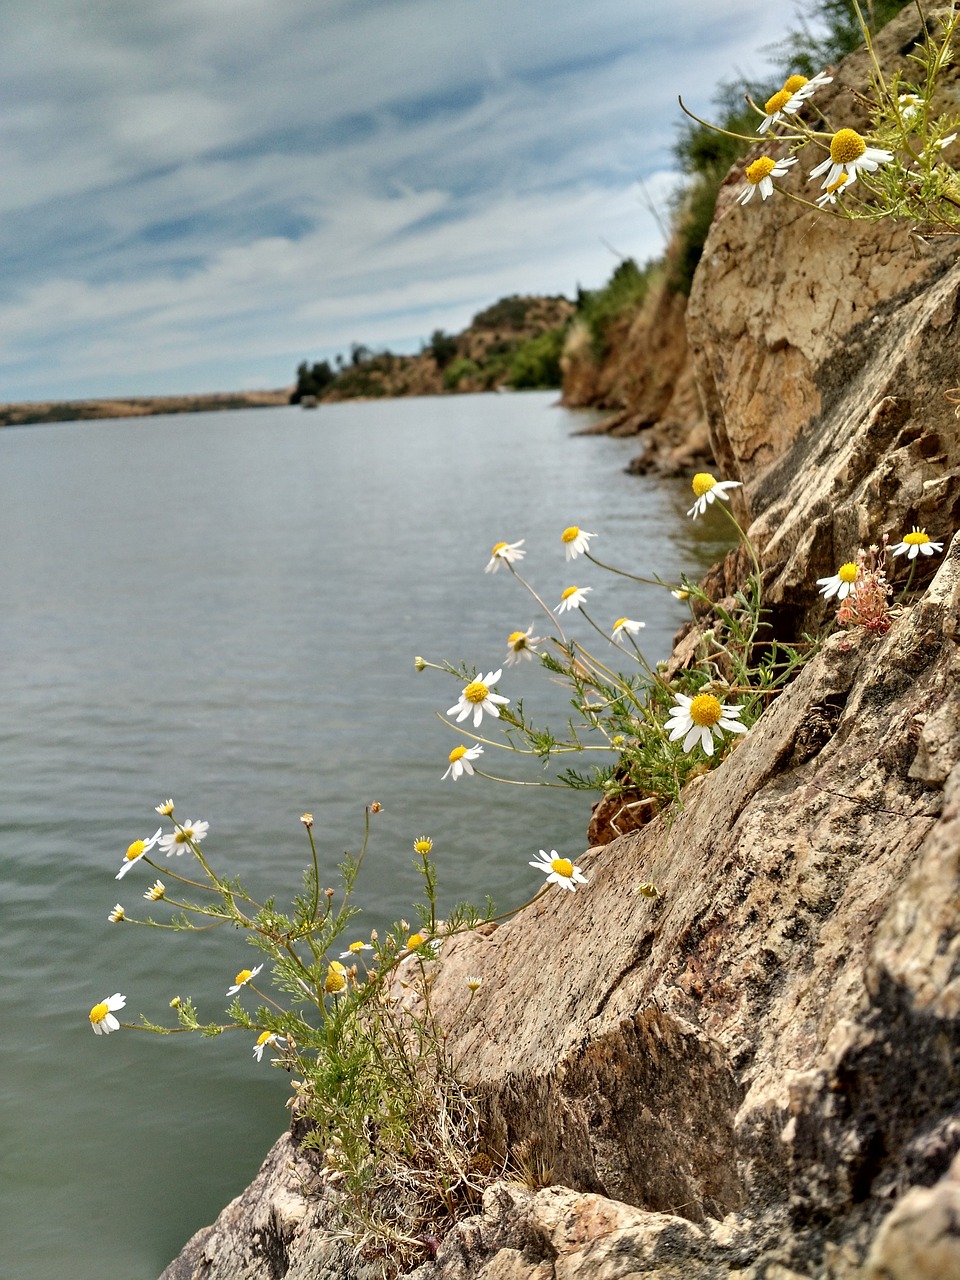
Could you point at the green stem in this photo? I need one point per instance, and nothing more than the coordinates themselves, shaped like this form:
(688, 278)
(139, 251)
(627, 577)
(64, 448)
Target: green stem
(649, 582)
(549, 612)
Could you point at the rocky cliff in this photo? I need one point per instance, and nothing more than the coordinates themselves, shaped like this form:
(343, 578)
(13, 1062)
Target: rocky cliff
(646, 377)
(756, 1075)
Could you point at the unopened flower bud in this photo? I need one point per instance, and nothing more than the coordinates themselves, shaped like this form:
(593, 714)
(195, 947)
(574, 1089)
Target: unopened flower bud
(420, 664)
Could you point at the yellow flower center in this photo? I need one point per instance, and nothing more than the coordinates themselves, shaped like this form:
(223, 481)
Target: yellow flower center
(619, 623)
(243, 976)
(476, 691)
(754, 173)
(565, 595)
(562, 866)
(337, 967)
(98, 1013)
(356, 946)
(703, 481)
(135, 850)
(334, 982)
(421, 846)
(457, 754)
(415, 940)
(793, 84)
(517, 639)
(847, 145)
(264, 1036)
(570, 534)
(498, 548)
(848, 572)
(916, 539)
(778, 101)
(184, 836)
(840, 182)
(705, 710)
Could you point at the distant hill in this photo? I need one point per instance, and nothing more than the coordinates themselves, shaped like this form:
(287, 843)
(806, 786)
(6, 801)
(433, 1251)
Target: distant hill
(514, 343)
(34, 411)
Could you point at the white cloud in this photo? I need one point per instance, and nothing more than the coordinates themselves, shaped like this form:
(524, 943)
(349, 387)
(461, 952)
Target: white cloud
(195, 189)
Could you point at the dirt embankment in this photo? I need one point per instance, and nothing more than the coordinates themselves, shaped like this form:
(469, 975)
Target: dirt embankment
(646, 377)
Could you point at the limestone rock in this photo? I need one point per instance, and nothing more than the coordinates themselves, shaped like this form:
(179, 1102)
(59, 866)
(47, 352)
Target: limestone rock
(823, 350)
(920, 1240)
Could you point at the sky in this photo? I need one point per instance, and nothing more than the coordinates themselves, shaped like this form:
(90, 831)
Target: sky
(198, 194)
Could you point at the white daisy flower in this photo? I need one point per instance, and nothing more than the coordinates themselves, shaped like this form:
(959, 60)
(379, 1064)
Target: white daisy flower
(117, 914)
(760, 175)
(916, 543)
(561, 870)
(520, 645)
(165, 809)
(336, 980)
(474, 984)
(156, 891)
(101, 1015)
(242, 978)
(700, 718)
(830, 194)
(788, 100)
(774, 108)
(180, 839)
(354, 950)
(910, 104)
(848, 155)
(841, 583)
(505, 552)
(575, 541)
(267, 1038)
(626, 625)
(803, 88)
(707, 488)
(421, 942)
(477, 698)
(460, 758)
(136, 851)
(572, 598)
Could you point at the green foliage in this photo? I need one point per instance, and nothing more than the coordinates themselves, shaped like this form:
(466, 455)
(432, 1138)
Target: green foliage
(808, 50)
(459, 371)
(537, 362)
(312, 381)
(444, 347)
(622, 294)
(508, 313)
(829, 34)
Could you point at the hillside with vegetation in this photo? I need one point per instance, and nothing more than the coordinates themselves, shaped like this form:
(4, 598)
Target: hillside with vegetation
(626, 349)
(515, 343)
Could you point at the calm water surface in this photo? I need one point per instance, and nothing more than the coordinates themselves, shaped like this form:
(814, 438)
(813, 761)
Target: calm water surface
(224, 608)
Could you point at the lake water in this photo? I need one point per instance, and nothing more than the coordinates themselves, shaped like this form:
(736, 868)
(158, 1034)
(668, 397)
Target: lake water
(224, 608)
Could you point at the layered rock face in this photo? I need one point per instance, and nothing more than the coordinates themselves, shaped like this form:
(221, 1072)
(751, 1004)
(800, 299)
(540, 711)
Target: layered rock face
(647, 377)
(756, 1075)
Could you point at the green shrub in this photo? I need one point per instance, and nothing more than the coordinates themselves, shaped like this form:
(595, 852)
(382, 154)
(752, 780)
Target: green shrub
(458, 370)
(537, 362)
(623, 292)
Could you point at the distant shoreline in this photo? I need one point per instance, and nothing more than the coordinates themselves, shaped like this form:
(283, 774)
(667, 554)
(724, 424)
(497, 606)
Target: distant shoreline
(39, 411)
